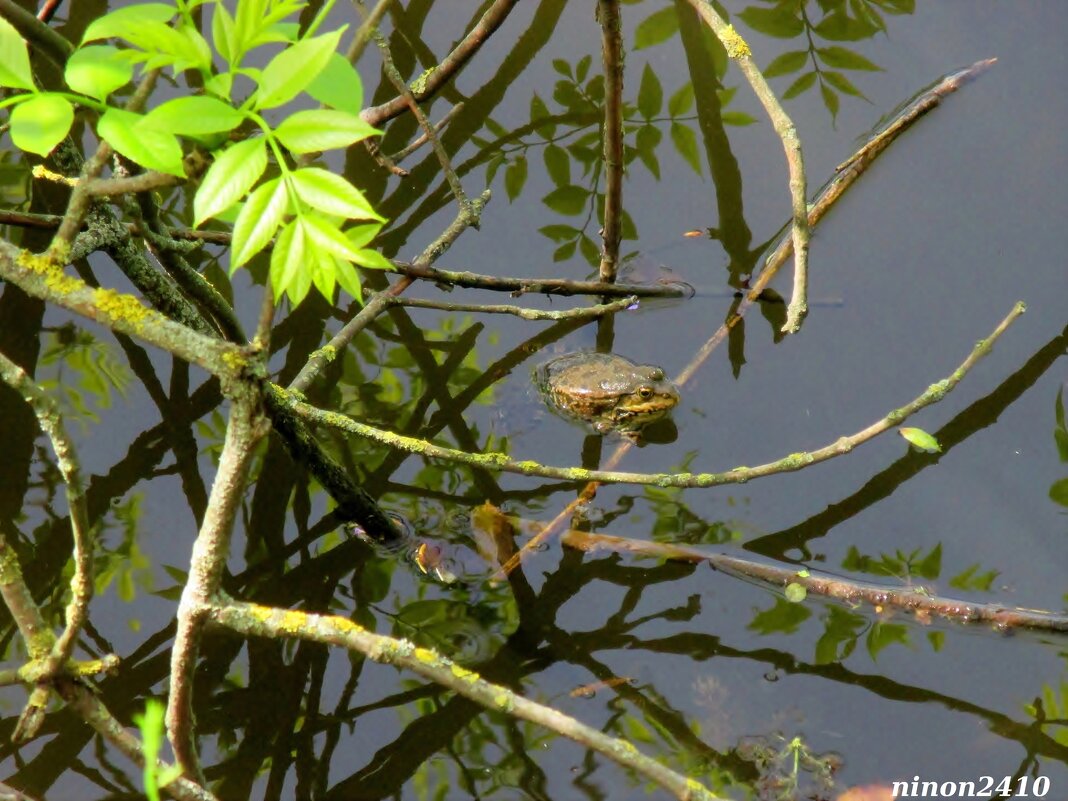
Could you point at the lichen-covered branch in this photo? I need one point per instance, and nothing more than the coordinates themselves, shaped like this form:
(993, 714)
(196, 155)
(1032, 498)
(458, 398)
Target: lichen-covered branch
(738, 475)
(738, 50)
(244, 429)
(260, 621)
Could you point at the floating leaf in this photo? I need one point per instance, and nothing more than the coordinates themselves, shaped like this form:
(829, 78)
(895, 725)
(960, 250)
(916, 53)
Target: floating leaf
(38, 124)
(14, 59)
(795, 593)
(920, 439)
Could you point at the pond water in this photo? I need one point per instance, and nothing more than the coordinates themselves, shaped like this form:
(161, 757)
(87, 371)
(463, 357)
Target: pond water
(712, 675)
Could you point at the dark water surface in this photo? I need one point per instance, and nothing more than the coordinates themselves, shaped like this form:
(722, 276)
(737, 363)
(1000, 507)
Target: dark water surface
(961, 218)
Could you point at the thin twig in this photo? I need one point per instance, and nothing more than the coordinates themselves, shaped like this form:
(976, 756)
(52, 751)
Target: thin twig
(251, 620)
(399, 84)
(738, 50)
(81, 198)
(439, 126)
(81, 582)
(439, 75)
(612, 57)
(579, 313)
(367, 27)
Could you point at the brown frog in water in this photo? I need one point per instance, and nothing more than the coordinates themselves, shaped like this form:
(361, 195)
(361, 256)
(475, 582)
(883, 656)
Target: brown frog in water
(606, 391)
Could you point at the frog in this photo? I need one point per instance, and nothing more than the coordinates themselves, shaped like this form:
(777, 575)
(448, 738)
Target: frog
(606, 391)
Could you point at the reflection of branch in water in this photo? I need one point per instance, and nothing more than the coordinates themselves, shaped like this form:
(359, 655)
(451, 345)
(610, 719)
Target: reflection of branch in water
(979, 415)
(922, 604)
(826, 199)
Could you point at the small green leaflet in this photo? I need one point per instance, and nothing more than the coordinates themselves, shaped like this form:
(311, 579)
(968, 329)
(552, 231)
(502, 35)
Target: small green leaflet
(38, 124)
(920, 440)
(233, 174)
(795, 593)
(294, 68)
(155, 150)
(322, 129)
(98, 70)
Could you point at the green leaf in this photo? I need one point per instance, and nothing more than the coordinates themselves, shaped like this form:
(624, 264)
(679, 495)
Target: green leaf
(656, 28)
(647, 140)
(589, 250)
(332, 194)
(841, 83)
(557, 164)
(795, 593)
(559, 233)
(193, 116)
(784, 617)
(786, 63)
(322, 129)
(650, 94)
(295, 68)
(38, 124)
(880, 635)
(338, 85)
(686, 144)
(582, 69)
(287, 261)
(802, 84)
(98, 70)
(920, 439)
(845, 59)
(931, 566)
(360, 235)
(260, 217)
(349, 279)
(565, 251)
(569, 200)
(681, 101)
(1058, 492)
(562, 67)
(222, 33)
(124, 21)
(373, 260)
(783, 21)
(739, 118)
(515, 177)
(154, 150)
(14, 59)
(327, 236)
(229, 178)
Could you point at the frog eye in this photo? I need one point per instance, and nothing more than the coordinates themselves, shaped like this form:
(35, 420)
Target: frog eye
(645, 392)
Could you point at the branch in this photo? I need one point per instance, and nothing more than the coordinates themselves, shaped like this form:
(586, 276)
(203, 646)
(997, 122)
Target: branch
(54, 47)
(81, 583)
(439, 75)
(582, 312)
(612, 57)
(207, 563)
(402, 154)
(251, 620)
(737, 49)
(739, 475)
(923, 605)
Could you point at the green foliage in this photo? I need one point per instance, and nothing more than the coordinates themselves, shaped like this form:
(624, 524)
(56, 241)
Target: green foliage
(151, 725)
(304, 209)
(920, 439)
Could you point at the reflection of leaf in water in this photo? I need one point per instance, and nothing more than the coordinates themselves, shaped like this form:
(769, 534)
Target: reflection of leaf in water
(99, 372)
(783, 618)
(124, 563)
(1052, 710)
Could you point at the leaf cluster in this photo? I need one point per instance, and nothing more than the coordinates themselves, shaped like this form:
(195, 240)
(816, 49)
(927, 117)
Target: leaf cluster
(256, 182)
